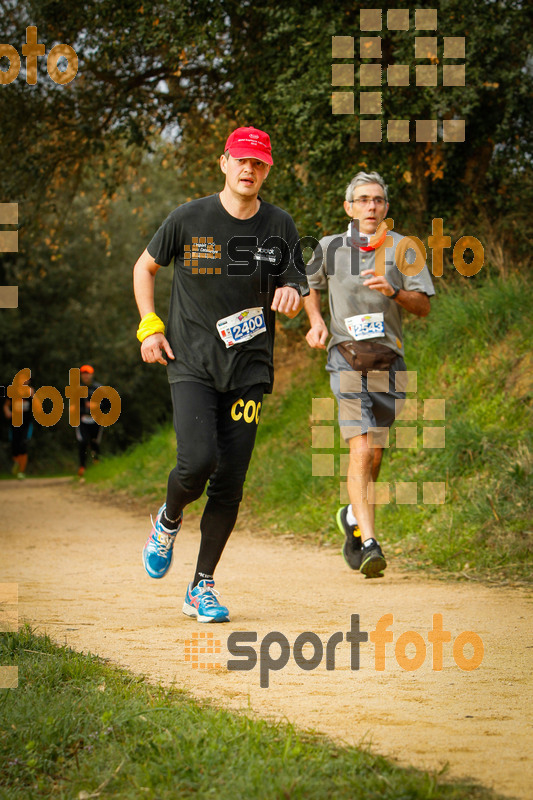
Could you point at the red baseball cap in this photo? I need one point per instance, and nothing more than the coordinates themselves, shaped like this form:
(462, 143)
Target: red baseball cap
(87, 368)
(250, 143)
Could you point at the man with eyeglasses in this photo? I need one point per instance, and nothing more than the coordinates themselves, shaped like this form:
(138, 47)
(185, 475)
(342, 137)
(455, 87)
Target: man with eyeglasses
(367, 292)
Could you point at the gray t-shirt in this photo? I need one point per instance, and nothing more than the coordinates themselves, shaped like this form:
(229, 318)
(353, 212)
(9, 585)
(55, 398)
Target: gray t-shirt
(336, 264)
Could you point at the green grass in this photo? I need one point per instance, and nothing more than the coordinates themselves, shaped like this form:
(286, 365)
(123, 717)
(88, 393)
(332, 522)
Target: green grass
(474, 351)
(142, 470)
(75, 728)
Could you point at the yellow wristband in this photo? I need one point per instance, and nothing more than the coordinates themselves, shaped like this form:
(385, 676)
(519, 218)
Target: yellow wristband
(150, 324)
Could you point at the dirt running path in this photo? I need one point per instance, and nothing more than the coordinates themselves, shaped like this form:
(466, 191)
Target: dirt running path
(77, 565)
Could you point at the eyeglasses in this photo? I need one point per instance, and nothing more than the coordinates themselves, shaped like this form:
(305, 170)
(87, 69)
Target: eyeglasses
(365, 201)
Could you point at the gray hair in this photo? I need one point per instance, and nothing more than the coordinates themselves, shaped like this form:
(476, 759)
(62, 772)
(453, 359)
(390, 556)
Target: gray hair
(365, 177)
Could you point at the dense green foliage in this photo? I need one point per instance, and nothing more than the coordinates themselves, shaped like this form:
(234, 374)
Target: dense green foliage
(79, 729)
(193, 67)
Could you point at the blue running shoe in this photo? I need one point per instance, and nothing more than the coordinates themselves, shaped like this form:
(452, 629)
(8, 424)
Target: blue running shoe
(157, 552)
(202, 603)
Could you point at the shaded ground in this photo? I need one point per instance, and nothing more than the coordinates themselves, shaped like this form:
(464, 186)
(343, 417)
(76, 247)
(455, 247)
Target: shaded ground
(78, 568)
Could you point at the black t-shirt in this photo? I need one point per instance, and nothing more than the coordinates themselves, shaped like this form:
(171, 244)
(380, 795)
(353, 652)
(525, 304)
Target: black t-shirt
(222, 266)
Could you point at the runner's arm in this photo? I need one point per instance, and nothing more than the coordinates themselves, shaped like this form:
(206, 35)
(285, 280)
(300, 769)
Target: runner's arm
(287, 301)
(318, 332)
(144, 273)
(415, 302)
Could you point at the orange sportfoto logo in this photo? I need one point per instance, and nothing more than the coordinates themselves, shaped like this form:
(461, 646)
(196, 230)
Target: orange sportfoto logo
(202, 247)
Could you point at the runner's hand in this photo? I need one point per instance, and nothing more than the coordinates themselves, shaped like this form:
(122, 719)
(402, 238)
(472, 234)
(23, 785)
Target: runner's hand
(378, 282)
(317, 334)
(151, 349)
(286, 300)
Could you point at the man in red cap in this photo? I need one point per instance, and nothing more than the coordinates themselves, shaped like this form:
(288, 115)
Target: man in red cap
(237, 260)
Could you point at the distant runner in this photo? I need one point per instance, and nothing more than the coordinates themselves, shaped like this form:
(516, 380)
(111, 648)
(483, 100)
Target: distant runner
(20, 435)
(88, 432)
(366, 336)
(237, 260)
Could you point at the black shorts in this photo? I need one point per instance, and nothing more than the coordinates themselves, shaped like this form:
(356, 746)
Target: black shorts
(20, 437)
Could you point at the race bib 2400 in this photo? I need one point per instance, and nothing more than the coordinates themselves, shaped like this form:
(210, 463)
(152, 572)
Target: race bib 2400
(242, 326)
(366, 326)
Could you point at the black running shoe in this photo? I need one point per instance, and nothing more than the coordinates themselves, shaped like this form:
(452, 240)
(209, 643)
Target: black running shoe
(351, 550)
(372, 559)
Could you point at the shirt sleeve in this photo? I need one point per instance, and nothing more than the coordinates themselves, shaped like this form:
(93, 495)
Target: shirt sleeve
(413, 279)
(164, 245)
(316, 268)
(294, 273)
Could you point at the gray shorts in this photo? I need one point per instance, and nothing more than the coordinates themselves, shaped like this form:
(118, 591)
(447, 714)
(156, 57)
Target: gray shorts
(362, 410)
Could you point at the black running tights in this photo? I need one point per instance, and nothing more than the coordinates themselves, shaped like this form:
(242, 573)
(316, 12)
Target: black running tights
(215, 433)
